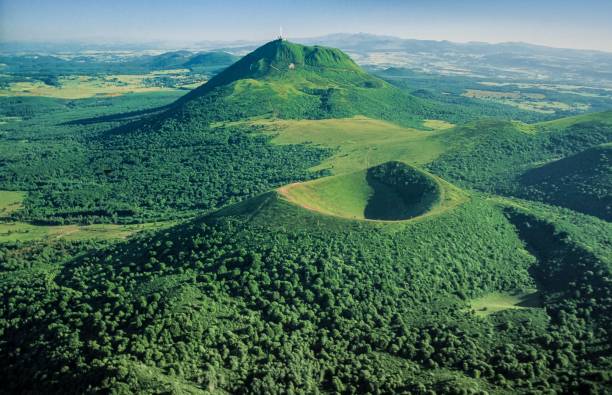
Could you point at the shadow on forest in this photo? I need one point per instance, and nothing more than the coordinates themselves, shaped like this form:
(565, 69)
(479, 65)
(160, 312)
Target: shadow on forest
(124, 116)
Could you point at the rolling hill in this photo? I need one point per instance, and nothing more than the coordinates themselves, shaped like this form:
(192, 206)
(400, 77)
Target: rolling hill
(120, 169)
(48, 65)
(504, 157)
(513, 60)
(580, 182)
(123, 172)
(277, 121)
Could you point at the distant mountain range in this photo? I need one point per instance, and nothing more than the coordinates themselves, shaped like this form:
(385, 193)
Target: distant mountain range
(513, 60)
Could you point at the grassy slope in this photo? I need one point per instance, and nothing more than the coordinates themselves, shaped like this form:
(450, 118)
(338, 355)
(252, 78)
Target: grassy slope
(23, 232)
(497, 301)
(604, 117)
(360, 142)
(344, 196)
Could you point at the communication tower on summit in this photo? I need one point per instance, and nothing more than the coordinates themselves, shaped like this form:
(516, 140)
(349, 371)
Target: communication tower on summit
(280, 33)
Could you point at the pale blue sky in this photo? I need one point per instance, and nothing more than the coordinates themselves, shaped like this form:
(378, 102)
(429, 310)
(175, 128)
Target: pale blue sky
(560, 23)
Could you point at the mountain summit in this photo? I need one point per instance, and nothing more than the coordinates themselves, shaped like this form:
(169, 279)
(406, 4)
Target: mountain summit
(286, 80)
(280, 57)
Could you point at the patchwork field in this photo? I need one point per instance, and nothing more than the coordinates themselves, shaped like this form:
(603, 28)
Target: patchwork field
(537, 102)
(580, 90)
(80, 87)
(481, 94)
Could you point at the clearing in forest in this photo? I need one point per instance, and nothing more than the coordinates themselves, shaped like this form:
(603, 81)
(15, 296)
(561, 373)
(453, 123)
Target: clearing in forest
(10, 201)
(498, 301)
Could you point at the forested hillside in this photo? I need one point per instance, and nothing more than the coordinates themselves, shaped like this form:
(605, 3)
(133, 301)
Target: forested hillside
(267, 296)
(504, 157)
(76, 171)
(296, 225)
(141, 177)
(580, 182)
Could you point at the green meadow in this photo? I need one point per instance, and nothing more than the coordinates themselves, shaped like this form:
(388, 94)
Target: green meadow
(360, 142)
(10, 201)
(23, 232)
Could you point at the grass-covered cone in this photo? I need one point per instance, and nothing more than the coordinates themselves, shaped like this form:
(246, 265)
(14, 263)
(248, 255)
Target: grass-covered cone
(392, 191)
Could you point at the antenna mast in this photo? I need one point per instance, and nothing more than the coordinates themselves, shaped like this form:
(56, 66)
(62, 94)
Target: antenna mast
(280, 33)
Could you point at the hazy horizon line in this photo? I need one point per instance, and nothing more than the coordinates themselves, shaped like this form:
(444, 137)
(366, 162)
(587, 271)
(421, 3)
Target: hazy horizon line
(110, 41)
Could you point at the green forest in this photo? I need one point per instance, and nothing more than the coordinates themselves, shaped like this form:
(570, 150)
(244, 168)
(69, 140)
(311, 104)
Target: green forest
(232, 256)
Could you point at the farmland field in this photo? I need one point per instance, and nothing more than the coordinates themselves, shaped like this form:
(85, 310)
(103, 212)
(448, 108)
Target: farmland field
(537, 102)
(85, 86)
